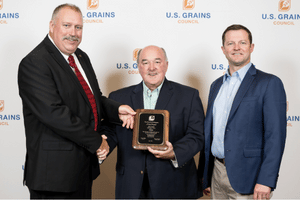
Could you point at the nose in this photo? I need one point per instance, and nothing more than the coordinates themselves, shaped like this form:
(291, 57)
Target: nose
(236, 46)
(152, 66)
(73, 31)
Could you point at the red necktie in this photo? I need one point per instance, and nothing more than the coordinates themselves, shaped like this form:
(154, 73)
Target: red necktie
(86, 88)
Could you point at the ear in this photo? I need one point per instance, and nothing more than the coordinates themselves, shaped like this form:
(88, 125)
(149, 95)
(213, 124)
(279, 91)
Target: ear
(251, 48)
(51, 26)
(223, 49)
(165, 69)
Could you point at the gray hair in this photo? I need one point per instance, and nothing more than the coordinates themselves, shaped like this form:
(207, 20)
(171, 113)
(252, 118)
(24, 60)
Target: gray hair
(66, 5)
(138, 55)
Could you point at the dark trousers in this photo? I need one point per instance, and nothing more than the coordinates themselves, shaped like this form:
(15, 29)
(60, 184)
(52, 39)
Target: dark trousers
(83, 192)
(146, 190)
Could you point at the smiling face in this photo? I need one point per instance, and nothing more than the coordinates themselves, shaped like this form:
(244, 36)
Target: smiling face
(66, 30)
(237, 49)
(152, 65)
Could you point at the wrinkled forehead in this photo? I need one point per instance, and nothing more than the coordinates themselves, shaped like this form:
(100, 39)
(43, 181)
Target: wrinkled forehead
(152, 54)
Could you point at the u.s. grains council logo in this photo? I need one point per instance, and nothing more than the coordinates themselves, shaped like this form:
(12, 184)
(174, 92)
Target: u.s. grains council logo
(1, 105)
(284, 5)
(6, 118)
(188, 16)
(92, 4)
(130, 67)
(135, 54)
(188, 4)
(1, 4)
(283, 17)
(93, 15)
(5, 16)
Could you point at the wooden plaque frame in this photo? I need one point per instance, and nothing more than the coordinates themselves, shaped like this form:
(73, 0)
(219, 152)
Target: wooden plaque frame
(151, 129)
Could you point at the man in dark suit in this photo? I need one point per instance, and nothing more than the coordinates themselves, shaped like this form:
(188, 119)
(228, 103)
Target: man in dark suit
(63, 107)
(152, 173)
(245, 125)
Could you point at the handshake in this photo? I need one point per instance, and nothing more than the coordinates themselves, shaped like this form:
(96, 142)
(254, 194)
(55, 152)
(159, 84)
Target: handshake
(126, 115)
(103, 150)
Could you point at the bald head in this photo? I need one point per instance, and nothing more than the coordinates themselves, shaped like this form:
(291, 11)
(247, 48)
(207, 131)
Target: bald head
(139, 52)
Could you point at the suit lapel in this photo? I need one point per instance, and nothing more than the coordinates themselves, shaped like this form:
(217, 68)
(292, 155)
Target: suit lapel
(137, 97)
(90, 78)
(213, 94)
(165, 95)
(209, 115)
(87, 70)
(61, 61)
(245, 85)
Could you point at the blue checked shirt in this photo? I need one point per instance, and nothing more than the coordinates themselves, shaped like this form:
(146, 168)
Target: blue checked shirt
(222, 107)
(150, 98)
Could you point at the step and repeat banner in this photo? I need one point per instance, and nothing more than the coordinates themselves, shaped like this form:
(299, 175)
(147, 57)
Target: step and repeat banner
(190, 32)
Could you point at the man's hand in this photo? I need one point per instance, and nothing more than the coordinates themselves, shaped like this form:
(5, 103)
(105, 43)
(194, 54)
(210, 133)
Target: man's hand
(261, 192)
(206, 191)
(103, 150)
(167, 154)
(126, 114)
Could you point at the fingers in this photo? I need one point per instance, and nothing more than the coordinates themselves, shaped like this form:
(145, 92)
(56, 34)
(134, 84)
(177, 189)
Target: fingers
(255, 196)
(104, 149)
(207, 191)
(126, 114)
(125, 109)
(170, 146)
(261, 192)
(167, 154)
(104, 137)
(128, 121)
(102, 154)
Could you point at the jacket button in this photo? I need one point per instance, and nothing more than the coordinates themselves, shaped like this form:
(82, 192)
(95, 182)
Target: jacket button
(142, 172)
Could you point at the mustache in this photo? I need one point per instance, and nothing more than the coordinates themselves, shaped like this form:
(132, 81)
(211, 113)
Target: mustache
(71, 38)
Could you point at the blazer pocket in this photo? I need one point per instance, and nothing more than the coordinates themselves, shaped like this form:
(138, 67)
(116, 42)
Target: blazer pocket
(57, 146)
(250, 152)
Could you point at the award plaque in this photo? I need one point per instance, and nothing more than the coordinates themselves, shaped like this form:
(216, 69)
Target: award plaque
(151, 129)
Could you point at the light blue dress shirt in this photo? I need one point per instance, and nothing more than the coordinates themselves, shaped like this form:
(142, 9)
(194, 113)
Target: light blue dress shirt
(150, 97)
(222, 107)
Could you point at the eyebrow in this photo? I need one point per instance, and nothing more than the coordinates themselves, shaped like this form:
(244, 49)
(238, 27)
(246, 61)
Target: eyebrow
(147, 59)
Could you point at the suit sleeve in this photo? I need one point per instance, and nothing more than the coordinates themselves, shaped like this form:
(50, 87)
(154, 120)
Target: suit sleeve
(274, 111)
(41, 98)
(192, 142)
(109, 129)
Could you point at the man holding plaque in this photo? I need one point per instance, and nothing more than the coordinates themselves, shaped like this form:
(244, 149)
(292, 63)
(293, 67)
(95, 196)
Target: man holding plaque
(152, 173)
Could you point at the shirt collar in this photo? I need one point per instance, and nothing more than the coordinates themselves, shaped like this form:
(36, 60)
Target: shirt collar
(147, 90)
(64, 55)
(241, 72)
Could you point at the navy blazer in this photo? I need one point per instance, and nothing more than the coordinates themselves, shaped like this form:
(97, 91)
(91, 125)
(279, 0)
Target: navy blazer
(185, 134)
(255, 133)
(59, 121)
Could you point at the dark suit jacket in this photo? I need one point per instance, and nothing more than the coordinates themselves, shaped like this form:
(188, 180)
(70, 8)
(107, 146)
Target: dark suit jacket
(185, 134)
(255, 132)
(59, 121)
